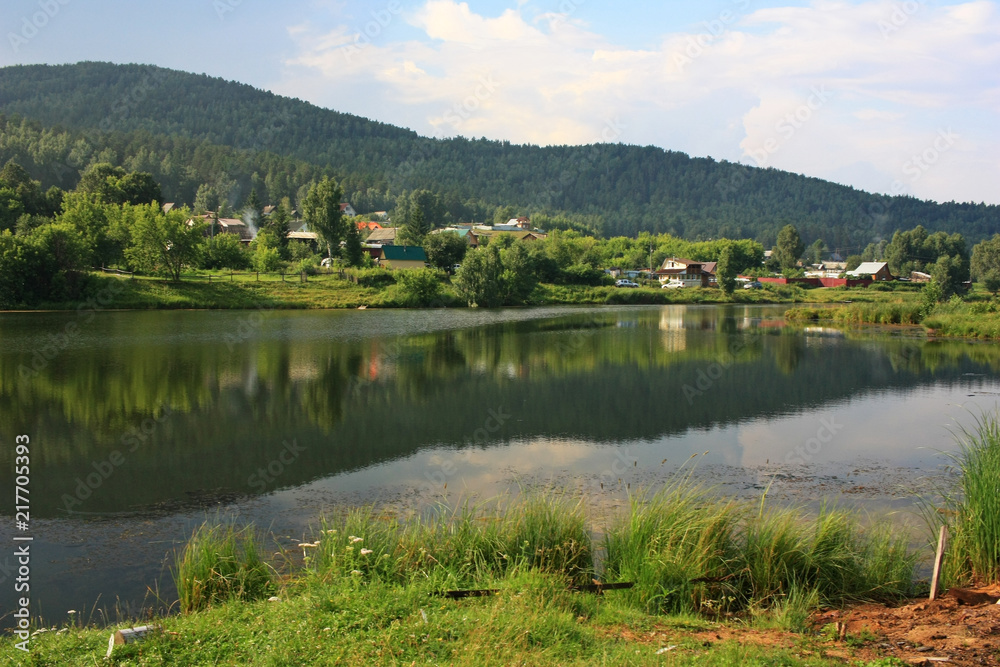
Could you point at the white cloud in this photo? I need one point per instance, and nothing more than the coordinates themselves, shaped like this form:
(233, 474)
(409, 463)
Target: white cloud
(742, 87)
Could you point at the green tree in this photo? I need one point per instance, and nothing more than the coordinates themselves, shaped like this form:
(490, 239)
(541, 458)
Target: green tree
(985, 258)
(725, 273)
(816, 251)
(853, 262)
(354, 253)
(789, 247)
(504, 214)
(162, 243)
(321, 210)
(445, 249)
(991, 281)
(113, 185)
(480, 278)
(416, 228)
(949, 273)
(224, 251)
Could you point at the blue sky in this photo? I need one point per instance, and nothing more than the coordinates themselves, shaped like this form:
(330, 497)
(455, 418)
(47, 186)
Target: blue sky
(898, 96)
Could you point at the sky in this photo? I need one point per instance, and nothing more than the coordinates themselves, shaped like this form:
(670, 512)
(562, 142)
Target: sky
(888, 96)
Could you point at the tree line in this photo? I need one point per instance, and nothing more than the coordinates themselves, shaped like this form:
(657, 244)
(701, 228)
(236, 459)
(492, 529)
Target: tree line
(210, 142)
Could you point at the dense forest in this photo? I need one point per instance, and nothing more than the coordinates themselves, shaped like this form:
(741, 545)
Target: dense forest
(201, 135)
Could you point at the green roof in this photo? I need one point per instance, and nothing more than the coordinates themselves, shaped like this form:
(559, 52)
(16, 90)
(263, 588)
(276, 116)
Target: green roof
(399, 253)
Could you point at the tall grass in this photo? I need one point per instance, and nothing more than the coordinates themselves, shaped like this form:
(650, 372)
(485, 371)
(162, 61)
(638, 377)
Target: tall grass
(460, 546)
(688, 552)
(221, 563)
(862, 313)
(972, 509)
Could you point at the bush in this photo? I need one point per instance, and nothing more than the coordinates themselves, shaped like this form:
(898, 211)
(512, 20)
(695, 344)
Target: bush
(376, 278)
(415, 288)
(582, 274)
(224, 251)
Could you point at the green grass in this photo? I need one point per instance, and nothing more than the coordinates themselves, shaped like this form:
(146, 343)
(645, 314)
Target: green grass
(365, 589)
(221, 563)
(971, 510)
(691, 553)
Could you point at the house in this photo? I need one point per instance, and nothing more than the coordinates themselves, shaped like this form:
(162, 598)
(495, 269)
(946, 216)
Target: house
(268, 210)
(368, 226)
(169, 206)
(463, 232)
(687, 271)
(383, 236)
(518, 234)
(877, 271)
(215, 226)
(347, 209)
(402, 257)
(521, 223)
(303, 236)
(919, 277)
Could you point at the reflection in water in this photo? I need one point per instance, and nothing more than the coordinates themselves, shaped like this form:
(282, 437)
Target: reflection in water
(352, 400)
(155, 413)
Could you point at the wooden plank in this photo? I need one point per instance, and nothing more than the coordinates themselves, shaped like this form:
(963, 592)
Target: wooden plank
(595, 587)
(938, 558)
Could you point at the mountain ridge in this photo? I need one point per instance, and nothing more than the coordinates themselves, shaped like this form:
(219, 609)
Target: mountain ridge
(166, 121)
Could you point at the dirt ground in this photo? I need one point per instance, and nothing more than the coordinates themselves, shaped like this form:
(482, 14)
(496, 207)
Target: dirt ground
(960, 628)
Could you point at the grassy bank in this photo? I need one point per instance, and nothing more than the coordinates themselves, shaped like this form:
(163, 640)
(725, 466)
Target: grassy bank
(366, 589)
(975, 316)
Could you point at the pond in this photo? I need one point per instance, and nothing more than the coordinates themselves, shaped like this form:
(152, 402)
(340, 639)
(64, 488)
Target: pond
(144, 424)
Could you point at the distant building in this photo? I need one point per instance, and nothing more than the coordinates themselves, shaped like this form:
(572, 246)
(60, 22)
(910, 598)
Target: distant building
(383, 236)
(169, 206)
(347, 209)
(215, 226)
(402, 257)
(874, 270)
(687, 271)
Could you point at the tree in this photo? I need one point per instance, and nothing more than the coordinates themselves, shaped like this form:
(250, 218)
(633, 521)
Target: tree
(504, 214)
(985, 258)
(321, 210)
(816, 251)
(445, 249)
(113, 185)
(416, 227)
(479, 280)
(495, 276)
(725, 274)
(853, 262)
(991, 281)
(224, 251)
(949, 273)
(353, 252)
(162, 243)
(789, 247)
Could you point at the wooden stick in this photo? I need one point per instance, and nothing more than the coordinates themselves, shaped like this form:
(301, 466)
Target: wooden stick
(938, 558)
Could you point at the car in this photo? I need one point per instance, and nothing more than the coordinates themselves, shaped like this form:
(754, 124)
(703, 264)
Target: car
(753, 285)
(625, 283)
(672, 284)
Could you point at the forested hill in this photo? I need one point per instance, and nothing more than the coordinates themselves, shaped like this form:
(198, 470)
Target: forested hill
(196, 132)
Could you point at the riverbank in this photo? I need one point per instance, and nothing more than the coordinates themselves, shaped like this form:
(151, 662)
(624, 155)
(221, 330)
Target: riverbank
(975, 316)
(221, 290)
(713, 582)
